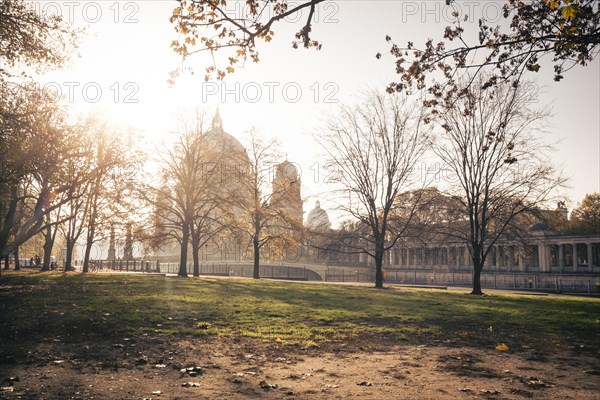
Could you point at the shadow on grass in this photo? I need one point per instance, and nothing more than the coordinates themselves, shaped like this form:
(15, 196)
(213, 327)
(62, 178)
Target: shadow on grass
(81, 309)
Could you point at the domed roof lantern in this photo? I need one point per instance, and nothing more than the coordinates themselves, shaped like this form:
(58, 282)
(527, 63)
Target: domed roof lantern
(217, 123)
(317, 219)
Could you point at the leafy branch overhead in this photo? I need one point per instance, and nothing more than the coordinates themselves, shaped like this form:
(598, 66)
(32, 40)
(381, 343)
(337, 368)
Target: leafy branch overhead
(566, 30)
(212, 25)
(33, 40)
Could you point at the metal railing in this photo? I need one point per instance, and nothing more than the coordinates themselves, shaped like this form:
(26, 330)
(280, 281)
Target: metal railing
(538, 281)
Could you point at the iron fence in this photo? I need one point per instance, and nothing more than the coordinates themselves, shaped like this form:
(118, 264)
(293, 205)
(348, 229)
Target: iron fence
(538, 281)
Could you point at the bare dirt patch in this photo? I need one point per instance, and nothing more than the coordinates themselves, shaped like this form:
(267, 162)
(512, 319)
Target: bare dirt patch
(231, 368)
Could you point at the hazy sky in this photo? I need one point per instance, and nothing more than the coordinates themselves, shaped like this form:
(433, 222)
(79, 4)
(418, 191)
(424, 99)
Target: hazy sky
(125, 61)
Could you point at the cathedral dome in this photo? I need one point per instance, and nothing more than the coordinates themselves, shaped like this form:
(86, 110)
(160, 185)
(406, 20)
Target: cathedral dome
(288, 170)
(318, 219)
(227, 146)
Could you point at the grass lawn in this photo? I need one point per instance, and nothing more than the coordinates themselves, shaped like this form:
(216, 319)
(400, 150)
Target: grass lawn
(86, 306)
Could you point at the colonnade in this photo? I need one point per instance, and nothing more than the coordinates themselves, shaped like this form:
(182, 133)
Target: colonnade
(555, 256)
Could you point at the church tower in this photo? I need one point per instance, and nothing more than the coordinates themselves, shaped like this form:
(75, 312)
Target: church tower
(286, 191)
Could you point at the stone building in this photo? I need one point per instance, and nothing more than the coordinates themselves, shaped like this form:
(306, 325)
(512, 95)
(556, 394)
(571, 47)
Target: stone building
(230, 161)
(541, 249)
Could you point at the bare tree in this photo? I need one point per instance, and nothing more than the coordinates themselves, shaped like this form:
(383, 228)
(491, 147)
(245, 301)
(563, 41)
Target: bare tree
(182, 170)
(491, 144)
(373, 149)
(211, 213)
(75, 212)
(264, 210)
(114, 167)
(185, 203)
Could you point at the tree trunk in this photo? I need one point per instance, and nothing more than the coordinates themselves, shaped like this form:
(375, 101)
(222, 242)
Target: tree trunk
(88, 250)
(185, 239)
(16, 254)
(477, 282)
(256, 274)
(69, 258)
(6, 263)
(9, 221)
(89, 242)
(48, 244)
(379, 269)
(477, 268)
(91, 231)
(196, 257)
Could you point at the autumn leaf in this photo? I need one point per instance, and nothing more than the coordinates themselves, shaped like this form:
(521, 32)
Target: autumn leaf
(230, 70)
(502, 347)
(570, 12)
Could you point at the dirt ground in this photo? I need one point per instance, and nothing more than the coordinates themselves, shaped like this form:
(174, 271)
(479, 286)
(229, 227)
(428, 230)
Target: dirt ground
(228, 368)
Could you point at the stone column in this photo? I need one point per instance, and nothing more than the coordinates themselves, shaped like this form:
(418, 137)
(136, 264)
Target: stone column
(589, 256)
(128, 250)
(112, 251)
(561, 258)
(543, 258)
(521, 259)
(575, 260)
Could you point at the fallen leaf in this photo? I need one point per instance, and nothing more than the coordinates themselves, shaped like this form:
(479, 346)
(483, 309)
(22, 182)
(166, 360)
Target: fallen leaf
(502, 347)
(489, 391)
(267, 386)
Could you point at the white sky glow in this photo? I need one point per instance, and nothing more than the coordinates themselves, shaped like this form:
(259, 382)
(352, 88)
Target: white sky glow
(126, 58)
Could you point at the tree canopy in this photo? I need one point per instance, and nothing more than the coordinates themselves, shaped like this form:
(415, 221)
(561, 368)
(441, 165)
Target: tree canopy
(586, 217)
(29, 38)
(566, 30)
(208, 25)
